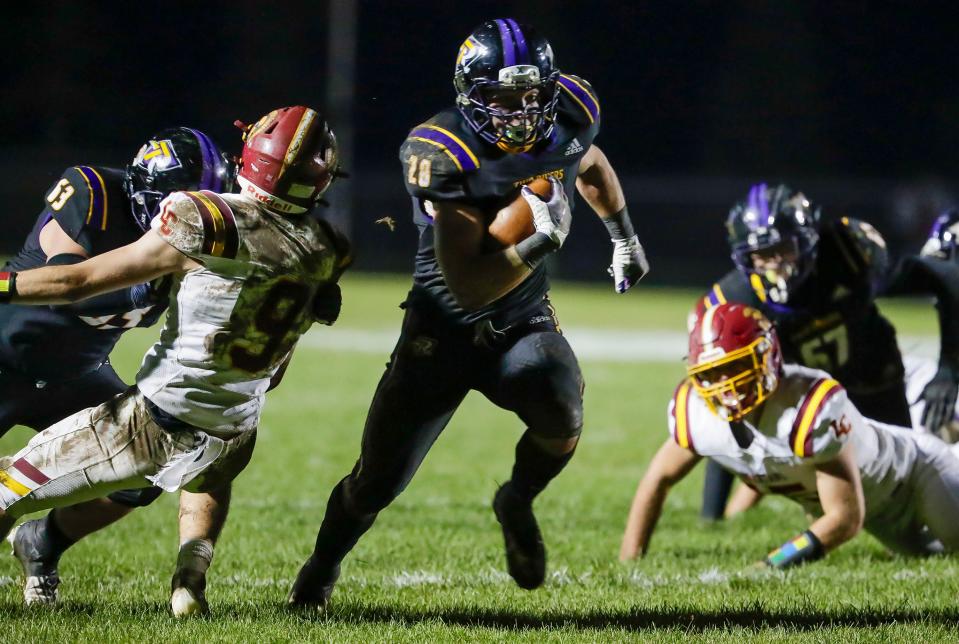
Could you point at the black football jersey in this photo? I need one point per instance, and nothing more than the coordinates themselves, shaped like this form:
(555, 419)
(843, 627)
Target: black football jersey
(445, 160)
(53, 343)
(831, 321)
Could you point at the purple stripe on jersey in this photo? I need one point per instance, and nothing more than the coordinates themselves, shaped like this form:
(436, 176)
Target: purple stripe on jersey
(450, 144)
(592, 107)
(509, 47)
(520, 39)
(713, 299)
(97, 197)
(210, 179)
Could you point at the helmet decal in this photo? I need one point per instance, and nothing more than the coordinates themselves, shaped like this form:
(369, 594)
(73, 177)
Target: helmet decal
(157, 156)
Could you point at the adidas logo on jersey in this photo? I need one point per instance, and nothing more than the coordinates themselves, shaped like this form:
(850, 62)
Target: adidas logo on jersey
(574, 147)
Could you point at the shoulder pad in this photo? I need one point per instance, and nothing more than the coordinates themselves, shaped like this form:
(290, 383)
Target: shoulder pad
(582, 95)
(79, 199)
(679, 416)
(818, 430)
(863, 246)
(733, 287)
(435, 161)
(197, 224)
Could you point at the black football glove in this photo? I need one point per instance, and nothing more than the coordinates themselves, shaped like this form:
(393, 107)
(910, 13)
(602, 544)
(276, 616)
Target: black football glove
(327, 304)
(940, 398)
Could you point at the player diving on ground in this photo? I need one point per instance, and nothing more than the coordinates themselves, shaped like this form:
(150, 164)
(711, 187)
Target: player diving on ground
(791, 430)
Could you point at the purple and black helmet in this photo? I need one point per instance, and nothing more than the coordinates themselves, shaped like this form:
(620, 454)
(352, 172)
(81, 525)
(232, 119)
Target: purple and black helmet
(178, 158)
(768, 217)
(943, 242)
(500, 56)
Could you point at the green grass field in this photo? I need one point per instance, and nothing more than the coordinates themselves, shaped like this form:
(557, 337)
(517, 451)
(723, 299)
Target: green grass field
(432, 568)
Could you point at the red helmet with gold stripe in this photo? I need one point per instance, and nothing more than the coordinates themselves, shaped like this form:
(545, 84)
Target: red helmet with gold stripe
(734, 359)
(289, 159)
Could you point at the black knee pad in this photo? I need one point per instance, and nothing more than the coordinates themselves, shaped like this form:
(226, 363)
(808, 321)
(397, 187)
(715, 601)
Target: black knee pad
(139, 498)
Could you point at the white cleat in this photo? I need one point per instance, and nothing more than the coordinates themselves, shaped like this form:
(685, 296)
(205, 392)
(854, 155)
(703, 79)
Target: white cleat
(41, 578)
(187, 597)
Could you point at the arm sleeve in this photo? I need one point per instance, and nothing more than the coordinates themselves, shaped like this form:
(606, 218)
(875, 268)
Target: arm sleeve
(435, 166)
(823, 422)
(917, 275)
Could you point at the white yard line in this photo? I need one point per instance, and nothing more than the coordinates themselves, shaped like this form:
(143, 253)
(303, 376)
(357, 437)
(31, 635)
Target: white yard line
(590, 344)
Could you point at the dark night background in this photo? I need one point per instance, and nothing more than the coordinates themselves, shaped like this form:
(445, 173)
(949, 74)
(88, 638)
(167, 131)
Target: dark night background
(855, 103)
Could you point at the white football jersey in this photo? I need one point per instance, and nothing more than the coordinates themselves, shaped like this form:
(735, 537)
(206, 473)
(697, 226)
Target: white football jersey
(232, 322)
(806, 421)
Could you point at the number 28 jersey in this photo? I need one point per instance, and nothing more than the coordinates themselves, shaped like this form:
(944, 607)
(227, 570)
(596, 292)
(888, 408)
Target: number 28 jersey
(232, 322)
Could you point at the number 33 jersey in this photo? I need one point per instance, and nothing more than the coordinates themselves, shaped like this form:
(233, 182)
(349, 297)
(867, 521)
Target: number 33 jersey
(232, 322)
(806, 421)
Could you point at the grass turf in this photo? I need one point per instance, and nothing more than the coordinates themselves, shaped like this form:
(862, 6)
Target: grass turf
(432, 568)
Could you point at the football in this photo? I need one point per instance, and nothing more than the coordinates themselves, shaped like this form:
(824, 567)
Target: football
(514, 222)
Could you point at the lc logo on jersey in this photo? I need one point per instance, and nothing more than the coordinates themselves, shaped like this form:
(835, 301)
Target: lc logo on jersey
(157, 156)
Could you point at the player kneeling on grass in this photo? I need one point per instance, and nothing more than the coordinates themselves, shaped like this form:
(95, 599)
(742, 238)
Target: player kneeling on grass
(251, 273)
(791, 430)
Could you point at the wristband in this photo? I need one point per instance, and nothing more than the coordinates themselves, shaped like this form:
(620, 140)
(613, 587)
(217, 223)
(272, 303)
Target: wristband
(534, 248)
(8, 285)
(619, 225)
(805, 547)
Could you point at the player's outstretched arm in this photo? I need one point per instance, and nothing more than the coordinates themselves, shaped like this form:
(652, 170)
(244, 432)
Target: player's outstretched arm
(146, 259)
(670, 465)
(841, 496)
(844, 508)
(598, 184)
(475, 278)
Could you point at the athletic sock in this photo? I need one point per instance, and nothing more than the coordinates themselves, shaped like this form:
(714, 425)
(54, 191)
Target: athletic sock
(195, 555)
(534, 468)
(339, 531)
(54, 542)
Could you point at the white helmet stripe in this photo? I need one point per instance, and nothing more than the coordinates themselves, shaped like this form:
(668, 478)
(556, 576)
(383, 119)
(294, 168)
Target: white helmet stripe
(706, 330)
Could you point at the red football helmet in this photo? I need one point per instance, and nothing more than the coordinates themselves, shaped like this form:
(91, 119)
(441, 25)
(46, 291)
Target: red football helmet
(734, 359)
(289, 159)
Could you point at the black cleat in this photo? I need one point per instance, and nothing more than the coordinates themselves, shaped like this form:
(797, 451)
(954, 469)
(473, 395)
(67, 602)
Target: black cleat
(313, 586)
(525, 552)
(41, 579)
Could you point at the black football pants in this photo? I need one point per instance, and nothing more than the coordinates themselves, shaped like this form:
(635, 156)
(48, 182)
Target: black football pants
(528, 369)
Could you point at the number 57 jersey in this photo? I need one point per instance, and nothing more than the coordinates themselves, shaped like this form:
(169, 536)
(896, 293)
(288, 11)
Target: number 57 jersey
(232, 322)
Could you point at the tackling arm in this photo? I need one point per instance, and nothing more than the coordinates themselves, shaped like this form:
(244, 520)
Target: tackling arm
(474, 278)
(670, 465)
(145, 259)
